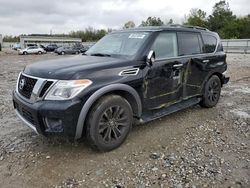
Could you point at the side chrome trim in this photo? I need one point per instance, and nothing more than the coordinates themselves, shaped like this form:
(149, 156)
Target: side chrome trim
(129, 72)
(26, 122)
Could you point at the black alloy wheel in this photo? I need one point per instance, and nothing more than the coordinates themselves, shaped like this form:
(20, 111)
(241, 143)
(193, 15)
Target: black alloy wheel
(109, 122)
(113, 123)
(212, 92)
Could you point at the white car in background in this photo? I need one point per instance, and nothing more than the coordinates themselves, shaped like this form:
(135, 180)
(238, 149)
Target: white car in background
(32, 50)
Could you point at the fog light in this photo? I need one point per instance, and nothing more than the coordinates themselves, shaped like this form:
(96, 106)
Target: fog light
(53, 125)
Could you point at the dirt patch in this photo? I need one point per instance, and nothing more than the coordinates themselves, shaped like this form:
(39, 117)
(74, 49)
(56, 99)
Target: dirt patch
(196, 147)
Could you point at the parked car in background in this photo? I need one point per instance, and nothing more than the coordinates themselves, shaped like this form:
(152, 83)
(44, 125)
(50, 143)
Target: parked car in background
(67, 50)
(81, 48)
(51, 47)
(31, 50)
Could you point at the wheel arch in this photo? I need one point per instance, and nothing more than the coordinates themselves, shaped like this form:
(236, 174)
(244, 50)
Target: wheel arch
(123, 90)
(220, 75)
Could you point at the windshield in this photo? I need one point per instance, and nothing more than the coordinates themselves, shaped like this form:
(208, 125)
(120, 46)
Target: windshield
(120, 44)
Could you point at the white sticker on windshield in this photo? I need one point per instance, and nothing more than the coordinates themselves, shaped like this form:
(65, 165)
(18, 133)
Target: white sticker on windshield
(136, 36)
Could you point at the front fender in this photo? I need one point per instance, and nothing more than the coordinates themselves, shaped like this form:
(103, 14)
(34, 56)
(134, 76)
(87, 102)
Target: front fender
(96, 95)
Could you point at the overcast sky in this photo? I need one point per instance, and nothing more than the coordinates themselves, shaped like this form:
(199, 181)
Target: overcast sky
(62, 16)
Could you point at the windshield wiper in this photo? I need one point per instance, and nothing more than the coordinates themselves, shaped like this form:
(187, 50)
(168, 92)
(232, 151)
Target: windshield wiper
(100, 54)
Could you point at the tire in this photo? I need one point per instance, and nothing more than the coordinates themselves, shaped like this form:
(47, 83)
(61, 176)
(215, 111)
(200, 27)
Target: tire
(25, 53)
(77, 52)
(109, 123)
(212, 92)
(39, 53)
(62, 53)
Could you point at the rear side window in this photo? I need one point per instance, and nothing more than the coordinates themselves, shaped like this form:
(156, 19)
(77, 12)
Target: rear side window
(189, 43)
(209, 43)
(220, 47)
(165, 45)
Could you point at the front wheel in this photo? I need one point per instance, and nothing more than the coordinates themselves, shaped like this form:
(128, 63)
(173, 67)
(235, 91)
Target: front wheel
(212, 92)
(109, 122)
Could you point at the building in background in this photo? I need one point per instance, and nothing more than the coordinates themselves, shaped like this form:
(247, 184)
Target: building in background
(46, 40)
(1, 42)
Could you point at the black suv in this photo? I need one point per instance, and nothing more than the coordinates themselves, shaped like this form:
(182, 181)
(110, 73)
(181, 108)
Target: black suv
(129, 76)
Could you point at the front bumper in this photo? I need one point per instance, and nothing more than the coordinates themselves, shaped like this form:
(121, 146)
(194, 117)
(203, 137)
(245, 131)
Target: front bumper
(37, 115)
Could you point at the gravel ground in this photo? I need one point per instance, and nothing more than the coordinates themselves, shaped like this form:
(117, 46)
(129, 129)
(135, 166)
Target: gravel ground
(195, 147)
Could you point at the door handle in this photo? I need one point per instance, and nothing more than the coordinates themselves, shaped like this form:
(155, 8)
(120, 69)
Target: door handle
(205, 61)
(177, 65)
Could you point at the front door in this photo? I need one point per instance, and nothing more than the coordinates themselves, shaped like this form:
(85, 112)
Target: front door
(163, 81)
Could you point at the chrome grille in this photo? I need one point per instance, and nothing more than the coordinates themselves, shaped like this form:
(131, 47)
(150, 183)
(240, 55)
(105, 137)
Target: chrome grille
(26, 85)
(33, 88)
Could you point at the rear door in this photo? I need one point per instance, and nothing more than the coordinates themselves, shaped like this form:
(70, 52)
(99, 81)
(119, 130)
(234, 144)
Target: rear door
(31, 50)
(198, 52)
(190, 49)
(36, 49)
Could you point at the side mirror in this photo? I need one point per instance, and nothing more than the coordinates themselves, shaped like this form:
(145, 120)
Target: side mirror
(150, 58)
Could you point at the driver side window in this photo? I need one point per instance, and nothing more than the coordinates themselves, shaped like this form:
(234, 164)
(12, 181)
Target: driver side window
(165, 45)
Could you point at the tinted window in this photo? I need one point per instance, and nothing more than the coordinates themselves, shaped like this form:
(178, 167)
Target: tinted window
(189, 43)
(165, 45)
(209, 43)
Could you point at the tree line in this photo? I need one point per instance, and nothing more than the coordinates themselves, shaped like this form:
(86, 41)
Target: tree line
(222, 20)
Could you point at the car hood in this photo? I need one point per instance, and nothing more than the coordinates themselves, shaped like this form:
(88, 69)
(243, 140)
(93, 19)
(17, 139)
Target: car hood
(69, 67)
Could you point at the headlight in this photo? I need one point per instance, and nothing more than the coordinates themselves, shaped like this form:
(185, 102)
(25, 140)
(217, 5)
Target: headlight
(67, 89)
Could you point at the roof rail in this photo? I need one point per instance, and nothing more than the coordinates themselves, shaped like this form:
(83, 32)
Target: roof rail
(189, 26)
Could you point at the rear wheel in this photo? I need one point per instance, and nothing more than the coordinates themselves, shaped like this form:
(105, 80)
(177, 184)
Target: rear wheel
(109, 123)
(77, 52)
(25, 53)
(39, 52)
(62, 53)
(212, 92)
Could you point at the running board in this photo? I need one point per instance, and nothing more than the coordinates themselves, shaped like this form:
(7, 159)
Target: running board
(155, 114)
